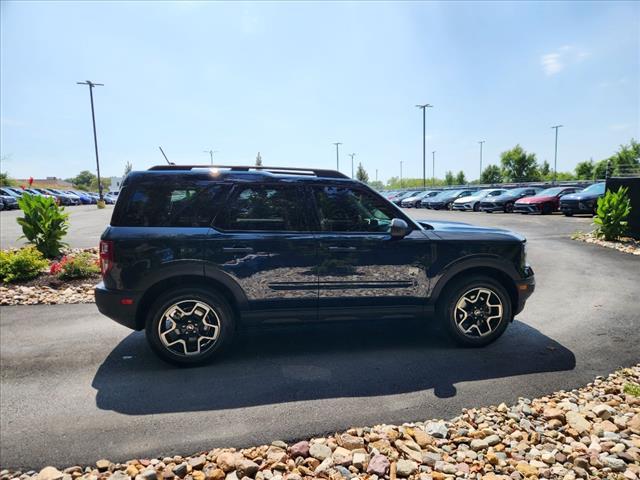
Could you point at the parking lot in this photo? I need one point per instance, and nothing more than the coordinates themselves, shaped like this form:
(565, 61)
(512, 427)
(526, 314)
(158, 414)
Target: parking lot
(74, 383)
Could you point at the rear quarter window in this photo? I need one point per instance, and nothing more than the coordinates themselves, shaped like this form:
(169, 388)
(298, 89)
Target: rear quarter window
(173, 205)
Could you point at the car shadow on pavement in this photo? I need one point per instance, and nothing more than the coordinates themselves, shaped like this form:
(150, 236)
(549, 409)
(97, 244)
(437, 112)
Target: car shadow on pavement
(316, 362)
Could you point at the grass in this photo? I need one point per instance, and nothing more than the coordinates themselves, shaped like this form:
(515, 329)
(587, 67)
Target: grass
(632, 389)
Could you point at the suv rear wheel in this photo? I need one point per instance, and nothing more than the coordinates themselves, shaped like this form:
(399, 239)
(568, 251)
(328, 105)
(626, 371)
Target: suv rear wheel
(475, 310)
(189, 326)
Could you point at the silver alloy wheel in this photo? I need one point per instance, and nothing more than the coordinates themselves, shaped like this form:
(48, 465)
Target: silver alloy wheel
(478, 312)
(189, 327)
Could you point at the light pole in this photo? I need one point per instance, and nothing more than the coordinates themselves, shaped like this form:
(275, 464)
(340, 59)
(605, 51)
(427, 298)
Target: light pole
(376, 174)
(424, 141)
(555, 158)
(481, 142)
(210, 152)
(401, 174)
(337, 144)
(433, 159)
(351, 155)
(95, 136)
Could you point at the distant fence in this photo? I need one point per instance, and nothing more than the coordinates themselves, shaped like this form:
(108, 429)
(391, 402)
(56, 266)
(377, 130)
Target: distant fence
(633, 185)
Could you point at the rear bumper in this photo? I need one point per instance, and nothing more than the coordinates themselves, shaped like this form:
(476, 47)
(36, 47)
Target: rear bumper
(115, 305)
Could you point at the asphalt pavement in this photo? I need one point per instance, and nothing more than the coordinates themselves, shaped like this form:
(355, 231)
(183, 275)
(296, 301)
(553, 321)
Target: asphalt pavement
(76, 387)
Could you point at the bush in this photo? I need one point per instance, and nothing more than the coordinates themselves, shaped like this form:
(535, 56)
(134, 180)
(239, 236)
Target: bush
(613, 210)
(82, 265)
(44, 223)
(19, 265)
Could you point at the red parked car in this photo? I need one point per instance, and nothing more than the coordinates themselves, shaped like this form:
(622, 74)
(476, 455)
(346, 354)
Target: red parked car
(545, 202)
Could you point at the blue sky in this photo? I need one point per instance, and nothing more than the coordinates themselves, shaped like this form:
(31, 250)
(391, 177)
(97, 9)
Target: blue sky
(288, 79)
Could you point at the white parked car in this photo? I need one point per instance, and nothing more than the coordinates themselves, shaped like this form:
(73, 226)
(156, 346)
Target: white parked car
(472, 202)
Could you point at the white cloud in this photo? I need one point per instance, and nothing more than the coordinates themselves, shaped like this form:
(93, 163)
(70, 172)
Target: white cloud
(554, 62)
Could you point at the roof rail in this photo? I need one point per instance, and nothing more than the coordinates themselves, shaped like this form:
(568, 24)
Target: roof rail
(318, 172)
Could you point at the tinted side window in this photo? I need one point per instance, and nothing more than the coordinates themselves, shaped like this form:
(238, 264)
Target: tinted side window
(344, 209)
(264, 208)
(153, 205)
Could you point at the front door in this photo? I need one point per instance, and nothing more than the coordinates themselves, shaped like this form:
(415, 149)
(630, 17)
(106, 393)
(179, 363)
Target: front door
(262, 241)
(362, 270)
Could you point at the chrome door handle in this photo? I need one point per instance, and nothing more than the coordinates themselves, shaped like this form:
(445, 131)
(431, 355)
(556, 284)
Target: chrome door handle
(342, 249)
(237, 249)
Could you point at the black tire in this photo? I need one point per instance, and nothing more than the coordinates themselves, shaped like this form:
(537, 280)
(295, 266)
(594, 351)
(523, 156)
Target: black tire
(449, 206)
(476, 207)
(547, 209)
(568, 214)
(220, 312)
(453, 293)
(508, 207)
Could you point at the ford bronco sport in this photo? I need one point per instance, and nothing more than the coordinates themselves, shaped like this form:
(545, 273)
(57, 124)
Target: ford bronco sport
(194, 252)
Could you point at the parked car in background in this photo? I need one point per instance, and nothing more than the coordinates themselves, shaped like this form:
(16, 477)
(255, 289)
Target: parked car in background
(545, 202)
(193, 258)
(112, 196)
(445, 199)
(61, 198)
(414, 200)
(585, 201)
(424, 200)
(8, 202)
(12, 192)
(82, 196)
(504, 202)
(35, 191)
(397, 199)
(472, 202)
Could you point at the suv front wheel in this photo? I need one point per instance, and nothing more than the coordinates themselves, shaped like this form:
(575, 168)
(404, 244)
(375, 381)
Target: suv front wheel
(475, 310)
(188, 326)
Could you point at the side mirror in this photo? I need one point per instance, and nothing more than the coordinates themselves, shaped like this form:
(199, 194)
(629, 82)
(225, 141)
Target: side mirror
(399, 228)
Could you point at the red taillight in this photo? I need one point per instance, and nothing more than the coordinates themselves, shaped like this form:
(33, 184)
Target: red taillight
(106, 256)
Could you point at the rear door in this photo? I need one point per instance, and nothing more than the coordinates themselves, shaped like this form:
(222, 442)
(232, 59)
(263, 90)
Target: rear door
(261, 240)
(362, 270)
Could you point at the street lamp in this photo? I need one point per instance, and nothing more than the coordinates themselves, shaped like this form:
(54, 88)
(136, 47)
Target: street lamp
(480, 142)
(210, 152)
(351, 155)
(401, 174)
(337, 144)
(95, 136)
(555, 159)
(433, 159)
(424, 141)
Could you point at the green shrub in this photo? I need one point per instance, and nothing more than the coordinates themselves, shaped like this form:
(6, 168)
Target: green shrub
(44, 223)
(632, 389)
(19, 265)
(81, 265)
(612, 213)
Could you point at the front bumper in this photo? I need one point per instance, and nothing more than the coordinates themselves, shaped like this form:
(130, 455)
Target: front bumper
(526, 208)
(576, 207)
(525, 289)
(118, 305)
(491, 207)
(463, 206)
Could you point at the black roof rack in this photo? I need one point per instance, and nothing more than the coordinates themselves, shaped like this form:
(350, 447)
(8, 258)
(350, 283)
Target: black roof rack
(318, 172)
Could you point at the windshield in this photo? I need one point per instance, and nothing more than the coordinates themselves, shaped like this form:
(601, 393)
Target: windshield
(515, 192)
(451, 193)
(597, 188)
(550, 192)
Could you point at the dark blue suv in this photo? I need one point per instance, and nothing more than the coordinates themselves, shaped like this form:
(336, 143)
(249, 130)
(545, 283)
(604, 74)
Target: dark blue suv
(195, 252)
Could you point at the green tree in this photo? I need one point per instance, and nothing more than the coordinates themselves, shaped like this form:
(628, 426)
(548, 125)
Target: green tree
(258, 160)
(361, 174)
(449, 179)
(600, 169)
(5, 180)
(627, 159)
(491, 174)
(376, 185)
(519, 166)
(460, 178)
(585, 170)
(127, 168)
(545, 169)
(84, 179)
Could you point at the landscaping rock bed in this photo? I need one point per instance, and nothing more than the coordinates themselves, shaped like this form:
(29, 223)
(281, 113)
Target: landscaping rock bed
(593, 432)
(626, 245)
(48, 289)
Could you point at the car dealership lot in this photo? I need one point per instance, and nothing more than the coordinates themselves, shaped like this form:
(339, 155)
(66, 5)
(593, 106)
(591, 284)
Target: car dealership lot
(76, 387)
